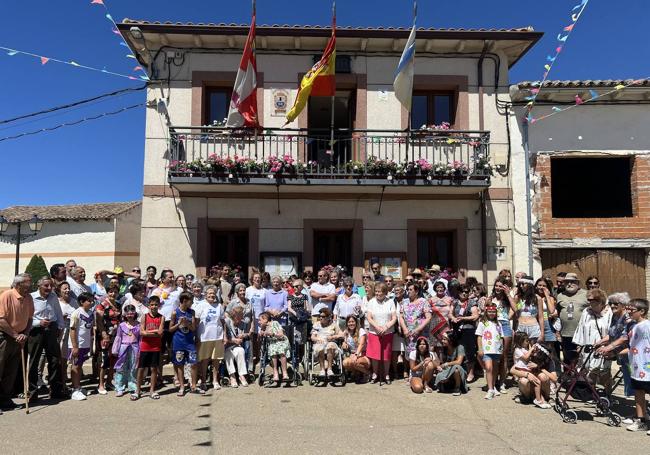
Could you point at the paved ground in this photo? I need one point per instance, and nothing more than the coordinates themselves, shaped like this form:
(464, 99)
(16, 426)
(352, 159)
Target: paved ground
(354, 419)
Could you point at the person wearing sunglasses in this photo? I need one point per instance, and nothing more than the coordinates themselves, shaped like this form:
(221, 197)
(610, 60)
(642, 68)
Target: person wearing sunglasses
(592, 282)
(348, 303)
(463, 318)
(639, 359)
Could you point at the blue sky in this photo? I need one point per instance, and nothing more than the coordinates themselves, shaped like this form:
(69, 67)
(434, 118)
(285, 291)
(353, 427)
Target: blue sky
(102, 160)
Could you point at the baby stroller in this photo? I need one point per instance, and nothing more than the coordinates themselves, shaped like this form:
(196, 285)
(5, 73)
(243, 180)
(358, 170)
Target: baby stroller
(574, 383)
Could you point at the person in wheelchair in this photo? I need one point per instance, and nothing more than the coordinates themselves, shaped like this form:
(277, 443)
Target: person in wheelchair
(323, 336)
(235, 335)
(354, 347)
(278, 344)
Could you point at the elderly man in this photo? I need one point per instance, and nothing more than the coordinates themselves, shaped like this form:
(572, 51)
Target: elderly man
(322, 293)
(570, 304)
(434, 277)
(69, 265)
(16, 311)
(76, 279)
(47, 325)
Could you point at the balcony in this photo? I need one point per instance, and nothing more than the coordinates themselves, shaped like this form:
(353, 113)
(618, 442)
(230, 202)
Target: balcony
(424, 158)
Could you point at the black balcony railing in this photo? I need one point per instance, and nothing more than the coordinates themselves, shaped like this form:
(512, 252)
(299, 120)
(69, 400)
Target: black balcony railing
(225, 155)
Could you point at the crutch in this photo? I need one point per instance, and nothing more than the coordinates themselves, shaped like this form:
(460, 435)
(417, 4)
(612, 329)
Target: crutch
(25, 381)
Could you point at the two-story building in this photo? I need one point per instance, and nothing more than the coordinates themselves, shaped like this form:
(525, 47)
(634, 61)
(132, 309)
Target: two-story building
(284, 198)
(590, 180)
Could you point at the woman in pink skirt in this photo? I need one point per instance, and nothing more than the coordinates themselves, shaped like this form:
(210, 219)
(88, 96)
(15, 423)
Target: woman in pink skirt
(381, 317)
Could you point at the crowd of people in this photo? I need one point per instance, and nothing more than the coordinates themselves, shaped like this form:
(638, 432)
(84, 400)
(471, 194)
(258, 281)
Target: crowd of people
(429, 330)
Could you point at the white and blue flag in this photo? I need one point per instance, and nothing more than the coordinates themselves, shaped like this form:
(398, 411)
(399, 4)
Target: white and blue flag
(403, 83)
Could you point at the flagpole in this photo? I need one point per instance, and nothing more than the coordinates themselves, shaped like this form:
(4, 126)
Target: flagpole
(255, 39)
(408, 124)
(334, 94)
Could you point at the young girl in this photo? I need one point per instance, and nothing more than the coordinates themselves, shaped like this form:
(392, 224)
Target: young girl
(278, 344)
(423, 365)
(126, 348)
(354, 345)
(490, 346)
(183, 326)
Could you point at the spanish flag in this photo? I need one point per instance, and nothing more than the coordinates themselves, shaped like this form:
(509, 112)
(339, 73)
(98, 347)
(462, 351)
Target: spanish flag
(320, 80)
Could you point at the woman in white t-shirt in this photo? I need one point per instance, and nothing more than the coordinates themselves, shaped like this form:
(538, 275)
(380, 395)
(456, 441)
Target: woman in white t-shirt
(210, 314)
(346, 304)
(382, 318)
(68, 303)
(354, 346)
(423, 364)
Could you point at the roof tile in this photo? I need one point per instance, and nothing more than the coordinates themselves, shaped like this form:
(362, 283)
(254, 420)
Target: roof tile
(101, 211)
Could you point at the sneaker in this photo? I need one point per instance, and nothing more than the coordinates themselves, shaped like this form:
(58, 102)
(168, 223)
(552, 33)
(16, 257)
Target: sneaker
(489, 395)
(78, 395)
(503, 389)
(542, 404)
(638, 425)
(456, 392)
(321, 373)
(496, 392)
(330, 372)
(628, 421)
(102, 391)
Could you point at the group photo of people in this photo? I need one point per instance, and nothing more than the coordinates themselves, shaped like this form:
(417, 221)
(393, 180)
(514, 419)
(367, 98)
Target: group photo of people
(542, 341)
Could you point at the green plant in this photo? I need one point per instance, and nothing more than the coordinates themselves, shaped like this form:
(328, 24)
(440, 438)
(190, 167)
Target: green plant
(36, 269)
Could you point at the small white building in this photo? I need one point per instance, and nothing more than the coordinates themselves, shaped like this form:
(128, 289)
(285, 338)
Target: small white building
(97, 236)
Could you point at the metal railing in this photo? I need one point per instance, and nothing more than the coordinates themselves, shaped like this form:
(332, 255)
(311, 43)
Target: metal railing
(217, 150)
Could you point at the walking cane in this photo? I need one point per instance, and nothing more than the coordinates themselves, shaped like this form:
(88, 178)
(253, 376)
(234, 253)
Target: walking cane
(25, 381)
(381, 360)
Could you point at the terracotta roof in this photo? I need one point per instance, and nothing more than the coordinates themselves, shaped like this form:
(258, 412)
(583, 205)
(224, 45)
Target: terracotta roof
(319, 27)
(585, 83)
(75, 212)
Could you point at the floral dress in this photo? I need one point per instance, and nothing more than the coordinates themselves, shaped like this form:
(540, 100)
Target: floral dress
(278, 346)
(414, 313)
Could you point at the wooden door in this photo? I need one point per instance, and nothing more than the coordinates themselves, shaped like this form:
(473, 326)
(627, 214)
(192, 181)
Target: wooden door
(333, 248)
(617, 269)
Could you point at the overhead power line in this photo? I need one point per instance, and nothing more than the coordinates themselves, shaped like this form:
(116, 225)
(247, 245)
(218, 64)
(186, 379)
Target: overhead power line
(76, 103)
(76, 122)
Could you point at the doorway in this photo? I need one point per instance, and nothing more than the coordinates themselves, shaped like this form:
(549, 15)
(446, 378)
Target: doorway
(436, 248)
(230, 247)
(333, 248)
(320, 118)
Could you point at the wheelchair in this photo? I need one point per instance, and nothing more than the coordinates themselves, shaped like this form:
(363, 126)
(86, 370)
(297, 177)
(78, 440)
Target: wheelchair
(311, 360)
(292, 375)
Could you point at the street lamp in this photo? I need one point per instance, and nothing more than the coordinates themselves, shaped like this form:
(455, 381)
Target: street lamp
(35, 225)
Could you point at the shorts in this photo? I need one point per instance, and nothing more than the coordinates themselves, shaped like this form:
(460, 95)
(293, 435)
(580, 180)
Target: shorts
(184, 357)
(211, 350)
(81, 358)
(492, 357)
(149, 359)
(320, 347)
(506, 327)
(532, 331)
(640, 385)
(105, 357)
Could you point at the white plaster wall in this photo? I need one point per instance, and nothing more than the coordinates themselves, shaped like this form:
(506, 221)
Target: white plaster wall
(59, 241)
(127, 238)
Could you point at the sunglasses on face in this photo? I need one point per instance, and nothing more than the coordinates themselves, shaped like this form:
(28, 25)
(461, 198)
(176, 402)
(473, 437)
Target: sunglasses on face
(632, 310)
(593, 282)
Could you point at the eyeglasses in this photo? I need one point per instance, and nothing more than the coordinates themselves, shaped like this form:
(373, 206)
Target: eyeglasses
(348, 285)
(321, 276)
(464, 291)
(593, 300)
(136, 270)
(632, 309)
(593, 282)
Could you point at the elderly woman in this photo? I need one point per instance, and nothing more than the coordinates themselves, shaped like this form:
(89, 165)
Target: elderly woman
(197, 293)
(210, 315)
(450, 373)
(278, 344)
(441, 300)
(239, 300)
(530, 310)
(414, 318)
(324, 335)
(348, 303)
(276, 301)
(592, 328)
(237, 333)
(639, 359)
(382, 318)
(464, 319)
(354, 346)
(614, 344)
(68, 304)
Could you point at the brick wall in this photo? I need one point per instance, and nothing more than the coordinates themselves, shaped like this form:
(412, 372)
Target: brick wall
(637, 226)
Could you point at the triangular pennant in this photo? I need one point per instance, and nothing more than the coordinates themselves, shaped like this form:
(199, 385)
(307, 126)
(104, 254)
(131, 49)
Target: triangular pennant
(130, 56)
(562, 38)
(593, 94)
(144, 78)
(109, 17)
(73, 63)
(12, 53)
(550, 59)
(568, 28)
(44, 60)
(116, 31)
(578, 6)
(547, 67)
(574, 17)
(619, 87)
(556, 109)
(558, 49)
(97, 2)
(137, 68)
(578, 100)
(122, 43)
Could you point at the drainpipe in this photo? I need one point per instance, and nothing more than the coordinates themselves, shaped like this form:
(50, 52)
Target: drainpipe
(481, 126)
(529, 208)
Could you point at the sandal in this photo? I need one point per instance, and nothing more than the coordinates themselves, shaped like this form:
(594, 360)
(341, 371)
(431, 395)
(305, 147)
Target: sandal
(198, 391)
(180, 393)
(119, 393)
(154, 396)
(135, 396)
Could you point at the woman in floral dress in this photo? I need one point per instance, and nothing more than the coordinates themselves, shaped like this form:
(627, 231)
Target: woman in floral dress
(278, 343)
(414, 317)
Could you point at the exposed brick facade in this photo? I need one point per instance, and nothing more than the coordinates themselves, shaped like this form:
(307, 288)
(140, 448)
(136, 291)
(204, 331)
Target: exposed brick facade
(637, 226)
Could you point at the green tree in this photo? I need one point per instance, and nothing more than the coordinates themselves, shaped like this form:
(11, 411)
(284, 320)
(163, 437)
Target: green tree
(37, 269)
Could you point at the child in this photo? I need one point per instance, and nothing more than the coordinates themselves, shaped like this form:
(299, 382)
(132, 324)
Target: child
(183, 326)
(490, 346)
(126, 348)
(81, 335)
(521, 355)
(151, 330)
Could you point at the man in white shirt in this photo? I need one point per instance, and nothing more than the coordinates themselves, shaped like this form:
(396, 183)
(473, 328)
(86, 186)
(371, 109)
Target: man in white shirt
(322, 293)
(434, 277)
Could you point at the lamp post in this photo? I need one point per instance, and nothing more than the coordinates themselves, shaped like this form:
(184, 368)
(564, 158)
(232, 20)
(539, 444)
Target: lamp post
(35, 225)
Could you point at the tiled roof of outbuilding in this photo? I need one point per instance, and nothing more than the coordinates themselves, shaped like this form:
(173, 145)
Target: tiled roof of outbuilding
(101, 211)
(584, 83)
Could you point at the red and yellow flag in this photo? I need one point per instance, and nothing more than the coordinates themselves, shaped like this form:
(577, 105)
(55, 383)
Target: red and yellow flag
(320, 80)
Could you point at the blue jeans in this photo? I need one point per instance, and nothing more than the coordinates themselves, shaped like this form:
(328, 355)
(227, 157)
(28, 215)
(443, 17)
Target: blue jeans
(623, 361)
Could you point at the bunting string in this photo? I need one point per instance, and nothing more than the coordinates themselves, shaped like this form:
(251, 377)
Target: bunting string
(594, 96)
(123, 42)
(562, 37)
(45, 60)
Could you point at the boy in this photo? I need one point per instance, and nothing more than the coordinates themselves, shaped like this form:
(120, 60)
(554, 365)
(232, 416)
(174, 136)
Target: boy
(81, 335)
(151, 330)
(183, 325)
